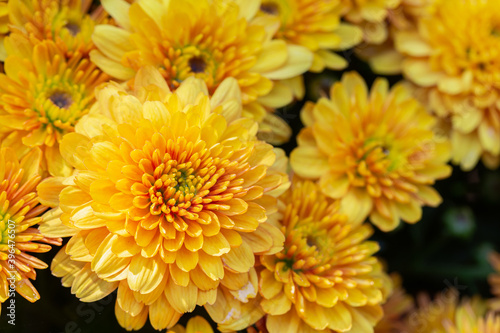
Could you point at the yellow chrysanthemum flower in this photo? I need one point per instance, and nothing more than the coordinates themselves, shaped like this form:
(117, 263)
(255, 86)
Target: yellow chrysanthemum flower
(19, 213)
(370, 16)
(208, 39)
(315, 25)
(398, 306)
(66, 22)
(42, 97)
(452, 55)
(195, 325)
(169, 199)
(447, 315)
(383, 58)
(326, 278)
(374, 152)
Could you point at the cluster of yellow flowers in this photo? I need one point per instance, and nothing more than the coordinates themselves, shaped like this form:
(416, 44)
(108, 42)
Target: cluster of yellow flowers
(142, 132)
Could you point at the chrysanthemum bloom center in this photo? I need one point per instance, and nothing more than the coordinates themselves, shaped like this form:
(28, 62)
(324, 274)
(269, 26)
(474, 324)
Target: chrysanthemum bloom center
(61, 99)
(197, 64)
(308, 245)
(73, 28)
(175, 189)
(270, 7)
(370, 162)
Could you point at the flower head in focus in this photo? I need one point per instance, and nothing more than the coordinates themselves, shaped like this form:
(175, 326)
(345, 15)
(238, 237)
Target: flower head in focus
(42, 97)
(65, 22)
(207, 39)
(452, 55)
(169, 200)
(375, 152)
(19, 213)
(325, 279)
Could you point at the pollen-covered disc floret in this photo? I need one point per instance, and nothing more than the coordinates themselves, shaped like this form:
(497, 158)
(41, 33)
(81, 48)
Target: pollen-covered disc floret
(169, 199)
(19, 211)
(42, 97)
(452, 55)
(66, 22)
(376, 152)
(326, 278)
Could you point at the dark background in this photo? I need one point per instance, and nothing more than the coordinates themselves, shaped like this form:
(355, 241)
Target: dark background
(448, 248)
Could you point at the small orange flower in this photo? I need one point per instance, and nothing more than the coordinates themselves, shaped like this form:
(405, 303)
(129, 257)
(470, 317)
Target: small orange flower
(19, 211)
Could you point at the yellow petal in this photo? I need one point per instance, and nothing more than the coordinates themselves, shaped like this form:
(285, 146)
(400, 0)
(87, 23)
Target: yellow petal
(298, 62)
(162, 315)
(182, 299)
(309, 162)
(239, 259)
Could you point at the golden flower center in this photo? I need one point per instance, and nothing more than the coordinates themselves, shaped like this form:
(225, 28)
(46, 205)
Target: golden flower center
(188, 61)
(175, 189)
(270, 7)
(368, 162)
(177, 181)
(73, 28)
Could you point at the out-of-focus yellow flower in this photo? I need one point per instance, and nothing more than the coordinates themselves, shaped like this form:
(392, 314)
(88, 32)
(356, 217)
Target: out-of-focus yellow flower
(19, 213)
(446, 314)
(375, 152)
(398, 306)
(370, 16)
(452, 54)
(326, 278)
(168, 202)
(4, 27)
(494, 280)
(383, 57)
(315, 25)
(208, 39)
(66, 22)
(42, 97)
(195, 325)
